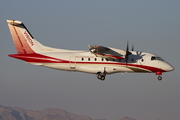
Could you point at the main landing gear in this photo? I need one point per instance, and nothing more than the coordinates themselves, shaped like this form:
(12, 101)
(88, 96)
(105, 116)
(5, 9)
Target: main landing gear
(101, 76)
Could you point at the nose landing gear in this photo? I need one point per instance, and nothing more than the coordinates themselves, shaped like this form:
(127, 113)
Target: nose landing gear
(159, 77)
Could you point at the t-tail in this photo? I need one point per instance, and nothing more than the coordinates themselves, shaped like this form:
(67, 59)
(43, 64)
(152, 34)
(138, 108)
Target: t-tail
(28, 49)
(23, 40)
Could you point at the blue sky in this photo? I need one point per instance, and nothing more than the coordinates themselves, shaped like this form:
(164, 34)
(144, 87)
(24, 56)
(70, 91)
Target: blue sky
(151, 26)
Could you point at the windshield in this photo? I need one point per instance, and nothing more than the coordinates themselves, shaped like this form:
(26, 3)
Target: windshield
(159, 58)
(156, 58)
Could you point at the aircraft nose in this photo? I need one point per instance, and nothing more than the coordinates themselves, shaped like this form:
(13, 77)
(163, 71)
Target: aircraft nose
(169, 67)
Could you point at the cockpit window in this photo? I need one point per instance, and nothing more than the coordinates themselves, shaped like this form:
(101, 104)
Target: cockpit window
(156, 58)
(153, 58)
(159, 58)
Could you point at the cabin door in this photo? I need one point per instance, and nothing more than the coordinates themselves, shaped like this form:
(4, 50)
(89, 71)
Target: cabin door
(72, 62)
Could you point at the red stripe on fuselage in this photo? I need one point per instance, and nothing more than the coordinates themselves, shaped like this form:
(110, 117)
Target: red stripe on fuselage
(149, 68)
(38, 58)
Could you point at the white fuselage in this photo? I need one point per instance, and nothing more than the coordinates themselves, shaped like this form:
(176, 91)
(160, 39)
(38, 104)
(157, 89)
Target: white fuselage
(84, 61)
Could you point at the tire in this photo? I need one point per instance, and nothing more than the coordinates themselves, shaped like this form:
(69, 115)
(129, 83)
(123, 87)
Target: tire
(102, 78)
(99, 76)
(159, 78)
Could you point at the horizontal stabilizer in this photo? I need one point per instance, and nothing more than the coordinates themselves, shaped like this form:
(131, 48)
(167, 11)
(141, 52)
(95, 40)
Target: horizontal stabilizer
(14, 22)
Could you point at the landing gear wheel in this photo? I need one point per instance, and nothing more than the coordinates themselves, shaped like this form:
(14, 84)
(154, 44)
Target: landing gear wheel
(159, 78)
(102, 78)
(99, 76)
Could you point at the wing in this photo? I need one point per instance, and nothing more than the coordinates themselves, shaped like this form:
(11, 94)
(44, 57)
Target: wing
(107, 52)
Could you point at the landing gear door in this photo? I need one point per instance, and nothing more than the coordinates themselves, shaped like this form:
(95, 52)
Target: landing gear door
(72, 62)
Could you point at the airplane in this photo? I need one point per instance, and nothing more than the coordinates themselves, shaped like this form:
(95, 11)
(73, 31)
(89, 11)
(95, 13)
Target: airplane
(98, 60)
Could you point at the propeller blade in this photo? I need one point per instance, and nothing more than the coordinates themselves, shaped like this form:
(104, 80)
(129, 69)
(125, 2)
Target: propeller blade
(127, 53)
(127, 60)
(127, 48)
(132, 47)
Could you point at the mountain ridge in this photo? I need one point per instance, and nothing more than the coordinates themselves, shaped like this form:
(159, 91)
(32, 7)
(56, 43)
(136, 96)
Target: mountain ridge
(18, 113)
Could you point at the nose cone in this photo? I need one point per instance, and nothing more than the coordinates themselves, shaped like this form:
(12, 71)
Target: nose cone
(168, 67)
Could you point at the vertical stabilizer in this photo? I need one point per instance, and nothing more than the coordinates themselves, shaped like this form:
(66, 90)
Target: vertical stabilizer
(22, 38)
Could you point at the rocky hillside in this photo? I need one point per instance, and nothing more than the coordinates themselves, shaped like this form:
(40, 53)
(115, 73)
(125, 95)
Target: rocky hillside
(17, 113)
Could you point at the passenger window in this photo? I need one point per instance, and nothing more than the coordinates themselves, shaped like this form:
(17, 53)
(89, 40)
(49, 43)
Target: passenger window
(142, 60)
(95, 59)
(102, 59)
(82, 59)
(89, 59)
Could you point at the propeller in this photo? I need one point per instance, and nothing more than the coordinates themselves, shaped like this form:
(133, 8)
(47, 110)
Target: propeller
(127, 53)
(132, 47)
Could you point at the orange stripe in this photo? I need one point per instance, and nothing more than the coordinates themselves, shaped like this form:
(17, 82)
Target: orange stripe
(26, 46)
(16, 39)
(20, 42)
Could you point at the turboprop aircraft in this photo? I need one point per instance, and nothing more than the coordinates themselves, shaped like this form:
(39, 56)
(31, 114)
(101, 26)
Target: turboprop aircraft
(98, 60)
